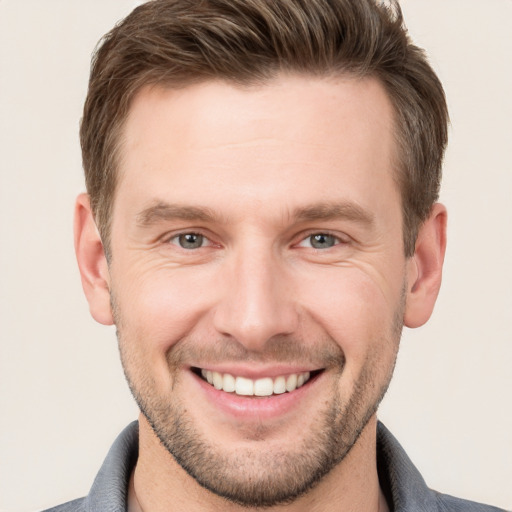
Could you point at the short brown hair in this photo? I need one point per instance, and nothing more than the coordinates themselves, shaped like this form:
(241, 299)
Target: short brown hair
(179, 42)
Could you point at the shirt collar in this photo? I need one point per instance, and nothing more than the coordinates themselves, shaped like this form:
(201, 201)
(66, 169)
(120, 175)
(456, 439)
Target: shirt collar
(109, 492)
(401, 482)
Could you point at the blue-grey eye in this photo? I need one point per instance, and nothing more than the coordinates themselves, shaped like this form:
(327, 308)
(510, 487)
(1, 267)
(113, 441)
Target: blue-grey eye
(190, 241)
(322, 241)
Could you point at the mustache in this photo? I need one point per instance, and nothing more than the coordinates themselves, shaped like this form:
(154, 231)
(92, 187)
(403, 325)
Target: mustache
(325, 353)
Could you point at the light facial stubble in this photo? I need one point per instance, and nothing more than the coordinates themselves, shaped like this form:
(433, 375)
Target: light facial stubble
(258, 476)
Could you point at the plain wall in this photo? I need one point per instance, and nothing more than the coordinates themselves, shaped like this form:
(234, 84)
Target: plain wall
(63, 398)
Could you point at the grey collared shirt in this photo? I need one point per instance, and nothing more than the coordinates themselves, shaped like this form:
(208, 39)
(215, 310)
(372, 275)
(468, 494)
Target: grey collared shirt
(401, 482)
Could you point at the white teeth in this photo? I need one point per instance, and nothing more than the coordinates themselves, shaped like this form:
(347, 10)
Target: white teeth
(263, 387)
(218, 381)
(302, 379)
(259, 387)
(244, 386)
(229, 383)
(291, 382)
(279, 385)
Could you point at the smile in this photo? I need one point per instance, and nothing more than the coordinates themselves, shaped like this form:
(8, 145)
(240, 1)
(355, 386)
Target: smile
(266, 386)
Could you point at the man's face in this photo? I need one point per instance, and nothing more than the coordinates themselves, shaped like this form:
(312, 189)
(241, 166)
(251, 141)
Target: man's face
(257, 241)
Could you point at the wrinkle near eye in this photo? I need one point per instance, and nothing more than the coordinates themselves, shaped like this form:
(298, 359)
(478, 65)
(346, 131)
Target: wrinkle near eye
(320, 241)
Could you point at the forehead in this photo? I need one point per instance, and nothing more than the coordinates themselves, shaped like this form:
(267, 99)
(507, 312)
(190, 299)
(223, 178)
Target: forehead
(219, 109)
(294, 137)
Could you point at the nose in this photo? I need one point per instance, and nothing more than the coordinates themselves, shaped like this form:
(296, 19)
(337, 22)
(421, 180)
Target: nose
(257, 301)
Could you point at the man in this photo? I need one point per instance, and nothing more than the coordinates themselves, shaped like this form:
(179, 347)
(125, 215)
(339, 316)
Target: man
(260, 223)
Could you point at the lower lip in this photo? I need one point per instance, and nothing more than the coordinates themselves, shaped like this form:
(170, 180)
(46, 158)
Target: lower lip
(268, 407)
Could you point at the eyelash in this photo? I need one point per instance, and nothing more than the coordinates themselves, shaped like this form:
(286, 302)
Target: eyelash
(309, 236)
(175, 240)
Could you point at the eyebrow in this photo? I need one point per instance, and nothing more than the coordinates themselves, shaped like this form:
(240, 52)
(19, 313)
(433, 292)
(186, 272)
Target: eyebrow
(333, 211)
(162, 211)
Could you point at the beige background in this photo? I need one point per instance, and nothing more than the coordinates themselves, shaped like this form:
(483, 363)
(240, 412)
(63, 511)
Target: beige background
(62, 393)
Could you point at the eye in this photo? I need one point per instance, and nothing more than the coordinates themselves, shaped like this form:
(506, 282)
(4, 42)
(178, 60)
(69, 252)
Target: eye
(189, 240)
(320, 241)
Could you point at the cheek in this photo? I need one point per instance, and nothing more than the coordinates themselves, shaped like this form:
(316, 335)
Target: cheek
(356, 310)
(156, 309)
(161, 305)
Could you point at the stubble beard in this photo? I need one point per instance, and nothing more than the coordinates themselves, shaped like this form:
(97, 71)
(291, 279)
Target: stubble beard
(259, 477)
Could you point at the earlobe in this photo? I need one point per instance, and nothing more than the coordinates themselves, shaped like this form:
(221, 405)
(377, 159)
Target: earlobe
(425, 268)
(92, 262)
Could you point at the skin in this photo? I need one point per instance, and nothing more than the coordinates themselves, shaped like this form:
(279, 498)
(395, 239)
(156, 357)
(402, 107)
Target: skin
(264, 168)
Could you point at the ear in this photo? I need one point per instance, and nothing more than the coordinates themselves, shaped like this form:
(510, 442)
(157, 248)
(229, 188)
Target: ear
(92, 262)
(425, 268)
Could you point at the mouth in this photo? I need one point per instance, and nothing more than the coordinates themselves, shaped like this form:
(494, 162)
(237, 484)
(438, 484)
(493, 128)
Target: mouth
(262, 387)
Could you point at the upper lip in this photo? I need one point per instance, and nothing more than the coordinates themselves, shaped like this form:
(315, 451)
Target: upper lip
(252, 372)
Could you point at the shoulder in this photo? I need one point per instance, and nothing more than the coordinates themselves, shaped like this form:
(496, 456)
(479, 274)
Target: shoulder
(404, 486)
(108, 491)
(448, 503)
(71, 506)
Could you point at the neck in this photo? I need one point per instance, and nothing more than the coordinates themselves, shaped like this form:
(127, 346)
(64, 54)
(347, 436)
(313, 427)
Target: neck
(160, 484)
